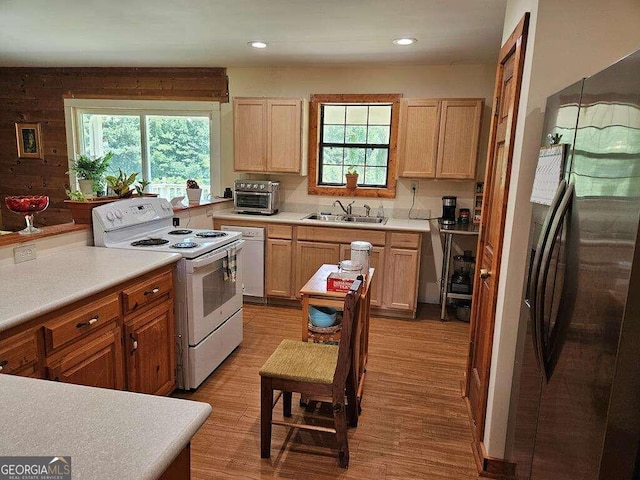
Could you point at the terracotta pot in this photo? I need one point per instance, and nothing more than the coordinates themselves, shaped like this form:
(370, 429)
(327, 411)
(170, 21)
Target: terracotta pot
(352, 181)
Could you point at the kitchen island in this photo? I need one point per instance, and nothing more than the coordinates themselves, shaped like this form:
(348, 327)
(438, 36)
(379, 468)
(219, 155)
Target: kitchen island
(108, 434)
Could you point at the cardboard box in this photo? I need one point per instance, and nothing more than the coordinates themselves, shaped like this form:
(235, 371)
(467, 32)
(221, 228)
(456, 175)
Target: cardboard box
(338, 283)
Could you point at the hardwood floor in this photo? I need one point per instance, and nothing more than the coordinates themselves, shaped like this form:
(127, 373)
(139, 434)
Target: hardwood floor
(414, 424)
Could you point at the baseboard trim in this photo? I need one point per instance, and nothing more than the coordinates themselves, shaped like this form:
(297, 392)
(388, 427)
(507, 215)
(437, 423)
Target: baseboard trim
(491, 467)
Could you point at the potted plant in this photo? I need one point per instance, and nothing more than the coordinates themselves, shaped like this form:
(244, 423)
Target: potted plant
(90, 171)
(121, 185)
(194, 192)
(352, 178)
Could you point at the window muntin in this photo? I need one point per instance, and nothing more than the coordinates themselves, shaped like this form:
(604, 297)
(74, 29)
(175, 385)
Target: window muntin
(357, 137)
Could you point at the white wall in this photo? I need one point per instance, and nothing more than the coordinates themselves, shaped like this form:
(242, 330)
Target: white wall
(568, 40)
(474, 81)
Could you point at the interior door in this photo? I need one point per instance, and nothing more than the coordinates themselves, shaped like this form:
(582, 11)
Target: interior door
(503, 126)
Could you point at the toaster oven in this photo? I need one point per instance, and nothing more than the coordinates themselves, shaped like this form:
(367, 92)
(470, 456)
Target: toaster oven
(256, 196)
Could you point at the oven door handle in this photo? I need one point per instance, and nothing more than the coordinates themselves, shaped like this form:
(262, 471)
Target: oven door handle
(213, 257)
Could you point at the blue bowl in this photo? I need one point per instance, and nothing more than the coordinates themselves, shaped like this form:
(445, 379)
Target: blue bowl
(322, 316)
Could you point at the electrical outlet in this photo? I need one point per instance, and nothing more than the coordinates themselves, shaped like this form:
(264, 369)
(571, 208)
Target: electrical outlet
(209, 212)
(414, 186)
(176, 221)
(24, 253)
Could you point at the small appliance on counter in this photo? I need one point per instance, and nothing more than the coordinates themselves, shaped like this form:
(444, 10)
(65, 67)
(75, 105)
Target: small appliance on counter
(261, 197)
(448, 211)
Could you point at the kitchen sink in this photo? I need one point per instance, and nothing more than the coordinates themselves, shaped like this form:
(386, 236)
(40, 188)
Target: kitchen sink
(345, 218)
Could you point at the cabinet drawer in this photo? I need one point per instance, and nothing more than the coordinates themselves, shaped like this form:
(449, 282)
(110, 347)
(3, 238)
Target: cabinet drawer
(340, 235)
(405, 240)
(18, 351)
(146, 292)
(81, 321)
(280, 231)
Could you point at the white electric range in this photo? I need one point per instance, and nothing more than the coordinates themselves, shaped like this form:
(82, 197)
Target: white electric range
(208, 279)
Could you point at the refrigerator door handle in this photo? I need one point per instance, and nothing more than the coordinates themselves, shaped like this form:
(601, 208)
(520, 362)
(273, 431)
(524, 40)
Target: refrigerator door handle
(545, 263)
(534, 271)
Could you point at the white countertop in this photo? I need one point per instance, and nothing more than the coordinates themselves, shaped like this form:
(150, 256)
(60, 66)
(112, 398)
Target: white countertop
(32, 288)
(109, 434)
(298, 218)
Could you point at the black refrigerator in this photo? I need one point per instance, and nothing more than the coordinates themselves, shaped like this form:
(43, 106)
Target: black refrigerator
(577, 398)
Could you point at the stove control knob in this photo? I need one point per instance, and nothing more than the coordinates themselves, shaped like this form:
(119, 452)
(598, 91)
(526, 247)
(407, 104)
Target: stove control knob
(110, 216)
(255, 185)
(119, 213)
(261, 187)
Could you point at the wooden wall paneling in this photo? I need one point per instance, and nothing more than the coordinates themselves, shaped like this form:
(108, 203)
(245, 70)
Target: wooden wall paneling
(36, 95)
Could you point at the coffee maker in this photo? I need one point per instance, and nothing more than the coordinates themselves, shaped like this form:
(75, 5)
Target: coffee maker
(448, 211)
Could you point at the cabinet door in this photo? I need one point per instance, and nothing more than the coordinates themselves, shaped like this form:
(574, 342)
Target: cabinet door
(310, 256)
(19, 354)
(458, 138)
(401, 279)
(150, 351)
(284, 135)
(249, 135)
(418, 142)
(95, 361)
(377, 262)
(279, 268)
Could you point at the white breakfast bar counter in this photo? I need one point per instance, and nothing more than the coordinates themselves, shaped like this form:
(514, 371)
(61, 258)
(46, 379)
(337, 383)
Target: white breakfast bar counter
(109, 434)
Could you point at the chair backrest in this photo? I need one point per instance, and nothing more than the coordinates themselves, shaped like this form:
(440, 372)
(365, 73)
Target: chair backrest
(350, 316)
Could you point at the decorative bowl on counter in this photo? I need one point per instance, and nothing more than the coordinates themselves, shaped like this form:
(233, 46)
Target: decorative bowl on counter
(27, 205)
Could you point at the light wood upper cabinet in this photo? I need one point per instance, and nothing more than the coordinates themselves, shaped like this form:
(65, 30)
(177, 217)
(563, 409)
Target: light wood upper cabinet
(269, 135)
(458, 138)
(439, 138)
(418, 142)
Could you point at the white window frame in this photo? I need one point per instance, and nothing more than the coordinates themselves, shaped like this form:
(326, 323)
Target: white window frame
(75, 107)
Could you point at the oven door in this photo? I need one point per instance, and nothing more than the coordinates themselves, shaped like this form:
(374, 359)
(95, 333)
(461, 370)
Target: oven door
(253, 201)
(211, 297)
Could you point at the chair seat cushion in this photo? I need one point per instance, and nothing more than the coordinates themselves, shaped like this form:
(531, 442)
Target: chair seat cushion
(302, 361)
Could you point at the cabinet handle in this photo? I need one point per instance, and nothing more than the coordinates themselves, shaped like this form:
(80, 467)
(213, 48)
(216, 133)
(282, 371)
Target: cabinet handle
(152, 292)
(3, 364)
(134, 342)
(484, 273)
(88, 323)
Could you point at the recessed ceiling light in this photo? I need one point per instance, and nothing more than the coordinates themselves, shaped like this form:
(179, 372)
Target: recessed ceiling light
(404, 41)
(258, 44)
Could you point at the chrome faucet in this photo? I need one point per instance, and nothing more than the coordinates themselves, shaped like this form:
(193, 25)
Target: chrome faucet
(346, 210)
(367, 209)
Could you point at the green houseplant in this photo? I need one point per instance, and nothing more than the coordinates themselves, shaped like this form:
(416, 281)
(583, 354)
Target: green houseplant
(90, 171)
(352, 178)
(121, 185)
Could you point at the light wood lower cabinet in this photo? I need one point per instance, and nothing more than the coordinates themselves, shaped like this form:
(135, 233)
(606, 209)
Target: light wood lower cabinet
(150, 362)
(279, 268)
(95, 361)
(401, 279)
(309, 257)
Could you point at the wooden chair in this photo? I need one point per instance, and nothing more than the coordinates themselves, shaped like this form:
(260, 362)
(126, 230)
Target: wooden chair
(314, 370)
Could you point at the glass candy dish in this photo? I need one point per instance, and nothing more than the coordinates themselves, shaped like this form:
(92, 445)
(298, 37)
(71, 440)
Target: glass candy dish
(27, 205)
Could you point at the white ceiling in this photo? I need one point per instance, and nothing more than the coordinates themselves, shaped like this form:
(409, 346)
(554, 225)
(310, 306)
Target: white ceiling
(214, 33)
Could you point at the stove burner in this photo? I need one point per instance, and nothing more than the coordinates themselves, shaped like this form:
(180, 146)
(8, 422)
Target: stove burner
(184, 245)
(149, 242)
(180, 232)
(211, 234)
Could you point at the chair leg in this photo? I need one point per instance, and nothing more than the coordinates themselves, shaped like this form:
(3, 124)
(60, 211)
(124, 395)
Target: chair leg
(286, 404)
(339, 416)
(266, 415)
(352, 398)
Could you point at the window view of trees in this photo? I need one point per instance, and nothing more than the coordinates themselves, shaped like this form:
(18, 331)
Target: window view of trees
(178, 148)
(355, 137)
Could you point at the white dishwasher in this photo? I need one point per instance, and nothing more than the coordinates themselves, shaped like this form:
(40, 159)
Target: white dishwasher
(252, 259)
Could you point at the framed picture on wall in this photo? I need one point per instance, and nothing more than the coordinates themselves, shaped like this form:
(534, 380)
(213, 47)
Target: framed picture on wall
(29, 140)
